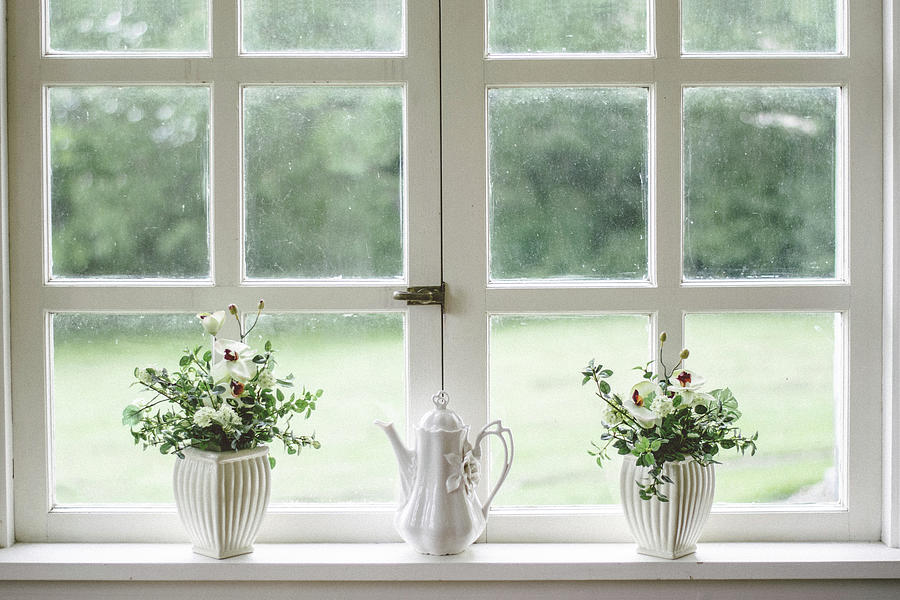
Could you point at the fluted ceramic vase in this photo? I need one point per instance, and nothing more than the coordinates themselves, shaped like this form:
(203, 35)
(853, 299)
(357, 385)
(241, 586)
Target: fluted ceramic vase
(668, 529)
(222, 498)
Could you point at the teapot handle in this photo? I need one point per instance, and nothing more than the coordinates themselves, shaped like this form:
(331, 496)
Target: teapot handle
(505, 435)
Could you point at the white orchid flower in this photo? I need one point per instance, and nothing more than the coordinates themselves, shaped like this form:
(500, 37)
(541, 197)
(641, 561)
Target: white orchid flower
(686, 380)
(232, 360)
(643, 392)
(212, 322)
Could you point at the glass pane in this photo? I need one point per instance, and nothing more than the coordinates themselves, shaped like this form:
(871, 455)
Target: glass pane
(94, 357)
(568, 183)
(129, 173)
(129, 26)
(535, 386)
(760, 183)
(567, 26)
(323, 183)
(322, 25)
(359, 360)
(760, 26)
(782, 368)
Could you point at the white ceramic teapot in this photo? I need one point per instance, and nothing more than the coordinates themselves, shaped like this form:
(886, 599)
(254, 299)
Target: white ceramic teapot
(440, 512)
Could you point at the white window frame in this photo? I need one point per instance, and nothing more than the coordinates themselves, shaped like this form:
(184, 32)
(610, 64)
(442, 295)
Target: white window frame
(467, 73)
(35, 296)
(464, 75)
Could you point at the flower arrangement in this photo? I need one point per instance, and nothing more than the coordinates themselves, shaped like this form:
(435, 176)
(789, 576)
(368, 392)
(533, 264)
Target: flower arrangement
(227, 398)
(666, 418)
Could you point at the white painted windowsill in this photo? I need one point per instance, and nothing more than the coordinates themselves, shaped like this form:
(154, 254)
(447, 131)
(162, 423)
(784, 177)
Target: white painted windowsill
(481, 562)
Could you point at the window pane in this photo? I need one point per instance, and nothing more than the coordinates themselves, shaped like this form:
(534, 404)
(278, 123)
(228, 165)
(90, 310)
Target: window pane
(783, 370)
(129, 172)
(322, 25)
(94, 357)
(760, 26)
(568, 183)
(322, 184)
(760, 184)
(535, 386)
(567, 26)
(359, 360)
(129, 26)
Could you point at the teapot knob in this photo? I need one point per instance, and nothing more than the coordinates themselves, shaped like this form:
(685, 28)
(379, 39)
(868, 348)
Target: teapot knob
(441, 399)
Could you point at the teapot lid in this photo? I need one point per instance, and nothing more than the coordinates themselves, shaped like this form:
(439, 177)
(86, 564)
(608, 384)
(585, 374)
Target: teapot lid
(441, 418)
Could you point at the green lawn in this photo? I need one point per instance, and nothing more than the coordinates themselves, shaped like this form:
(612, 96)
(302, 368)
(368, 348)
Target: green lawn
(779, 366)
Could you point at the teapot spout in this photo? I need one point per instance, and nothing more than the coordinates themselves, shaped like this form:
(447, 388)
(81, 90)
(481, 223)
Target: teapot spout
(406, 459)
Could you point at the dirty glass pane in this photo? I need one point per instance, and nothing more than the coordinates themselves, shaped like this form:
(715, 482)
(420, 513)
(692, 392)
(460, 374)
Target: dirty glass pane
(760, 26)
(568, 183)
(783, 369)
(535, 389)
(323, 185)
(130, 26)
(129, 181)
(322, 25)
(359, 360)
(94, 357)
(760, 182)
(567, 26)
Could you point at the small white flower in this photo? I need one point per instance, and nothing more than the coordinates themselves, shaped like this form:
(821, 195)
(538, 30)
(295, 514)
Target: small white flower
(227, 418)
(212, 322)
(662, 406)
(611, 416)
(266, 380)
(145, 375)
(204, 416)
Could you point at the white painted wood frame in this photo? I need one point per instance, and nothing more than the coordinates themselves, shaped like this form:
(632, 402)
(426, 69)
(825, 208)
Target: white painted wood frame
(466, 74)
(7, 525)
(34, 297)
(890, 527)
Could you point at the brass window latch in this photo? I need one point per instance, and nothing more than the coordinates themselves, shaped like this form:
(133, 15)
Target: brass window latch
(422, 295)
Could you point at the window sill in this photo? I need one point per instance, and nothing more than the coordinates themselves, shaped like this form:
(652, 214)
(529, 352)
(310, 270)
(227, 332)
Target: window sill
(482, 562)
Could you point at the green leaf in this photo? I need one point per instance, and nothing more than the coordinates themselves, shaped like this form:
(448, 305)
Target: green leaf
(268, 346)
(605, 373)
(207, 356)
(271, 462)
(185, 360)
(604, 387)
(131, 415)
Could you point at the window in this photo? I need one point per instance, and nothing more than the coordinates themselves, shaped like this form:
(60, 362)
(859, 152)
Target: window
(583, 175)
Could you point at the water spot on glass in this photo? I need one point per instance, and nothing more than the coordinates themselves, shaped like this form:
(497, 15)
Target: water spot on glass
(165, 112)
(112, 20)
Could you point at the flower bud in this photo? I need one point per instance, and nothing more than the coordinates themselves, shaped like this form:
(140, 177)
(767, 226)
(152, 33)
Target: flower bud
(232, 308)
(262, 304)
(662, 337)
(684, 354)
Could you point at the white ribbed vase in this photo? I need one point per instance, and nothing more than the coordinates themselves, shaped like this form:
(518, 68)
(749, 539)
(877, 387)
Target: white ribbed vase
(668, 529)
(222, 498)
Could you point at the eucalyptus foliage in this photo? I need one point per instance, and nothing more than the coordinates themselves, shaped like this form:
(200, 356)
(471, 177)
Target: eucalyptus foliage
(227, 398)
(666, 418)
